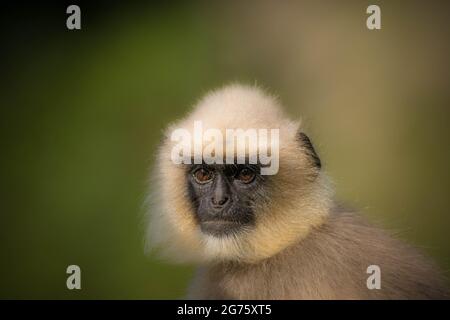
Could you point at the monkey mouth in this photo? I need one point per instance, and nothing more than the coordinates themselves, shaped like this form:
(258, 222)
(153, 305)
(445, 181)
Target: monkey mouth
(220, 227)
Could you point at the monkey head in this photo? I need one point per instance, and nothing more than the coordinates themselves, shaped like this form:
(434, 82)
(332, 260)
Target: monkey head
(230, 210)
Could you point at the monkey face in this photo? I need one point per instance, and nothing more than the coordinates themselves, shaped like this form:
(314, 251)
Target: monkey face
(211, 212)
(223, 197)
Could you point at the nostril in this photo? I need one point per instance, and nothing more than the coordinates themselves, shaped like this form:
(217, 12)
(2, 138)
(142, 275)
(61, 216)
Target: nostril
(223, 201)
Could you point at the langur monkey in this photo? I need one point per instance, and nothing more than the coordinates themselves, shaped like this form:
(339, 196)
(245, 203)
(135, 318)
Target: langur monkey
(280, 236)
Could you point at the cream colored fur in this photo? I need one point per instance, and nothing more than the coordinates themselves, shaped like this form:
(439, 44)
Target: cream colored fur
(297, 204)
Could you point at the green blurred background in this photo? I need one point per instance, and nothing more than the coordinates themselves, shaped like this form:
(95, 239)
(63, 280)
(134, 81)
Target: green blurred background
(82, 112)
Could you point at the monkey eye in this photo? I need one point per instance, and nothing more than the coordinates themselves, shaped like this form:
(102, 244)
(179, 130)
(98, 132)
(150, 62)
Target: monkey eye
(202, 175)
(246, 175)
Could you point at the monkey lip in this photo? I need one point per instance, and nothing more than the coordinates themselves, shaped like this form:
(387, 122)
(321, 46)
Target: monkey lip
(219, 227)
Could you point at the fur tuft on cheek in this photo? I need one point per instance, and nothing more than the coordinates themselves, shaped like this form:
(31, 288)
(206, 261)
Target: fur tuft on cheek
(174, 232)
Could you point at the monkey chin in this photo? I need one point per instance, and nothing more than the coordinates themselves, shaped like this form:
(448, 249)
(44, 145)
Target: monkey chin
(220, 228)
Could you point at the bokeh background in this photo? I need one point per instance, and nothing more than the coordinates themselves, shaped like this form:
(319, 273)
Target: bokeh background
(82, 112)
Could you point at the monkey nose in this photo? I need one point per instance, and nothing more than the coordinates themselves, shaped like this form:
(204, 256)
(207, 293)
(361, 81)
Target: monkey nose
(219, 202)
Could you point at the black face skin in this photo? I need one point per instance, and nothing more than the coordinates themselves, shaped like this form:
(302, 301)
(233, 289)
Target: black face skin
(223, 196)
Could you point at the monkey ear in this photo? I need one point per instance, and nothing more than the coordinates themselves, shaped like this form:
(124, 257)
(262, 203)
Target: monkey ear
(307, 144)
